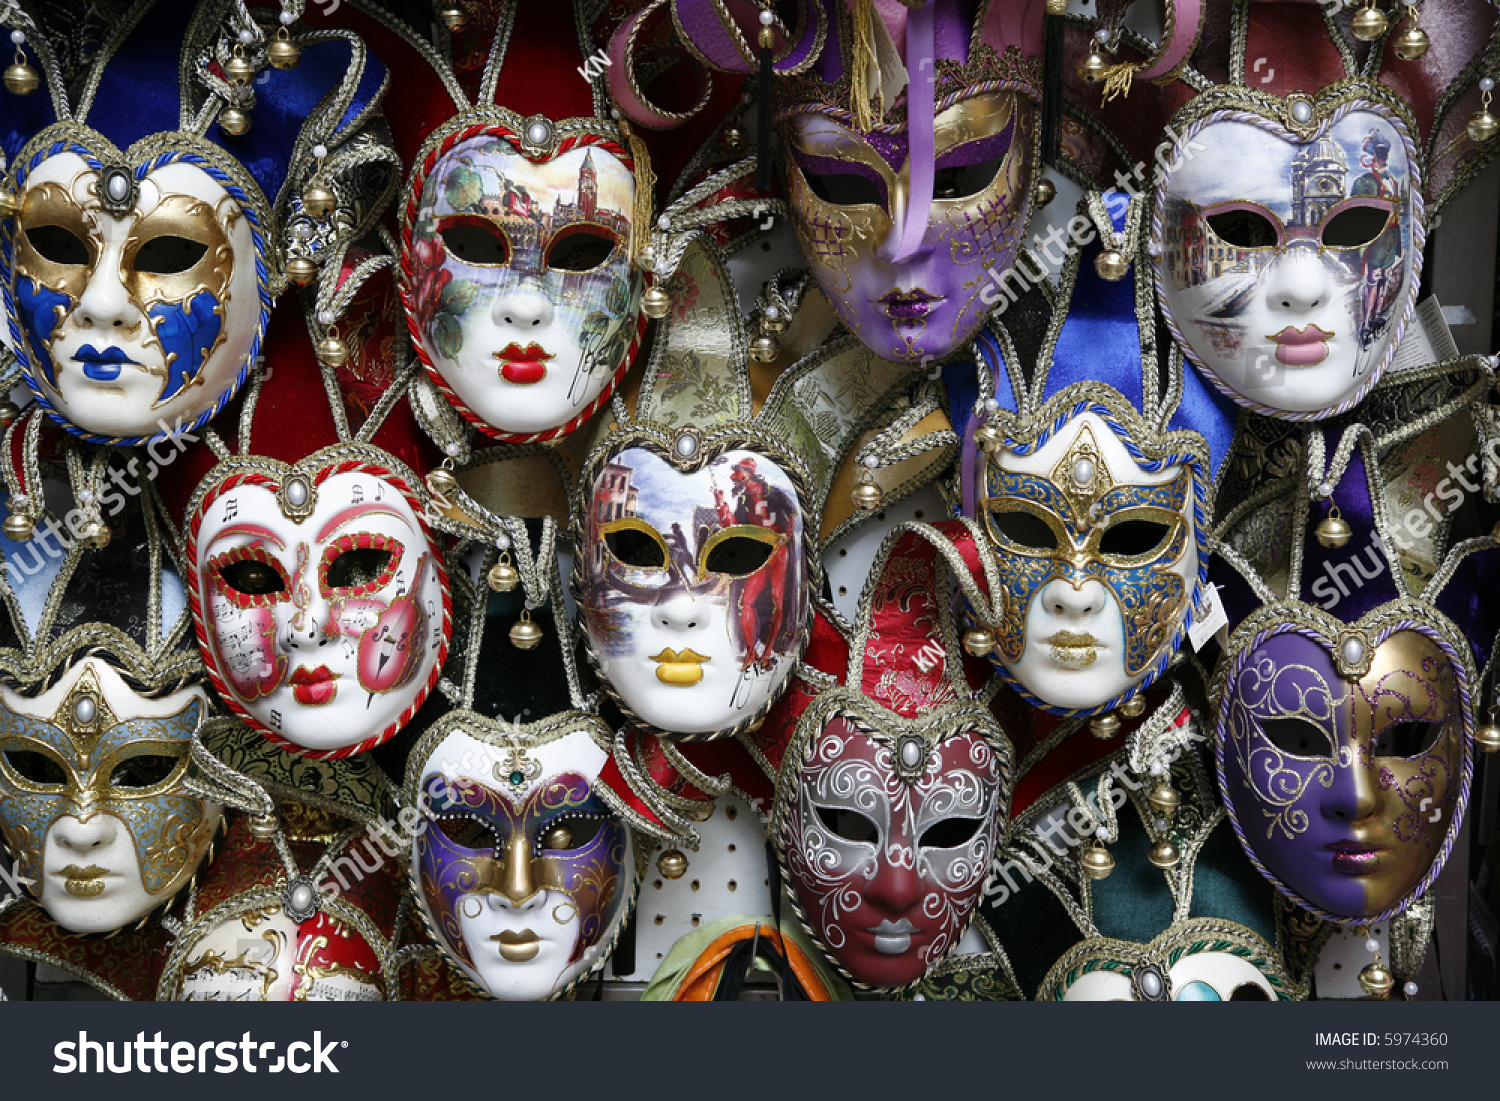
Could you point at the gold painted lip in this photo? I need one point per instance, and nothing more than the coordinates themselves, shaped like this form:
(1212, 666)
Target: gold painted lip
(84, 882)
(679, 668)
(517, 947)
(1073, 650)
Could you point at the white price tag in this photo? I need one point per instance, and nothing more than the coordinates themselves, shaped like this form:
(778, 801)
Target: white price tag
(1208, 617)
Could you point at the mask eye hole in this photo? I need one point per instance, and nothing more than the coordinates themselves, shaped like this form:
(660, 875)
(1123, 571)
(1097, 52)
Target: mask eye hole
(1297, 737)
(950, 833)
(1249, 992)
(35, 768)
(1134, 538)
(1244, 229)
(849, 824)
(1406, 739)
(965, 181)
(467, 833)
(737, 556)
(1025, 529)
(145, 770)
(252, 577)
(476, 242)
(362, 566)
(843, 188)
(633, 547)
(580, 249)
(168, 255)
(1355, 227)
(572, 834)
(58, 245)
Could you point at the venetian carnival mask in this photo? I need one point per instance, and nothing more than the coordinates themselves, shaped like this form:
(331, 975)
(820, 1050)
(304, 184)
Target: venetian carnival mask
(267, 956)
(694, 586)
(519, 284)
(851, 198)
(523, 871)
(1199, 960)
(320, 602)
(1289, 277)
(888, 838)
(92, 803)
(140, 298)
(1344, 754)
(1099, 560)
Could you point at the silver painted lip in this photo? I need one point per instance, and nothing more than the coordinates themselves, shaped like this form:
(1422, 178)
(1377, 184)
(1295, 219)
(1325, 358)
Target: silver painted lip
(892, 938)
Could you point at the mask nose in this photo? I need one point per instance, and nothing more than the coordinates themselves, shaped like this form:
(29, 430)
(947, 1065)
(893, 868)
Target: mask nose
(1298, 282)
(680, 614)
(307, 627)
(517, 884)
(1062, 599)
(1354, 796)
(106, 304)
(78, 835)
(524, 311)
(896, 888)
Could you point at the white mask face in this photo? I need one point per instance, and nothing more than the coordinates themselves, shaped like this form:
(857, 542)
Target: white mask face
(1288, 268)
(265, 956)
(695, 587)
(524, 873)
(91, 799)
(1100, 560)
(324, 631)
(519, 284)
(138, 313)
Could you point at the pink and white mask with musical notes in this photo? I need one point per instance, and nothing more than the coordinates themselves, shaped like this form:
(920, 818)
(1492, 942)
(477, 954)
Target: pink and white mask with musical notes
(320, 602)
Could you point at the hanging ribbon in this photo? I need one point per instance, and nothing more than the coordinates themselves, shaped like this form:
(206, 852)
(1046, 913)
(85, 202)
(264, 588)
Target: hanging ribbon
(921, 93)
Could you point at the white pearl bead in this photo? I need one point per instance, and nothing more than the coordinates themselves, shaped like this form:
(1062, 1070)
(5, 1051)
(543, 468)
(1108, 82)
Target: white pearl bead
(84, 710)
(302, 896)
(326, 318)
(1083, 471)
(320, 151)
(663, 222)
(18, 37)
(1354, 651)
(297, 492)
(1487, 84)
(1410, 990)
(287, 19)
(1372, 946)
(1150, 984)
(1157, 768)
(767, 17)
(992, 405)
(451, 450)
(911, 754)
(502, 542)
(1102, 833)
(1302, 111)
(246, 37)
(1325, 490)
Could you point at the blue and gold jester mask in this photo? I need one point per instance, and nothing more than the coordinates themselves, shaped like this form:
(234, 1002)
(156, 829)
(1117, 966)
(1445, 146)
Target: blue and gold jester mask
(147, 243)
(1090, 479)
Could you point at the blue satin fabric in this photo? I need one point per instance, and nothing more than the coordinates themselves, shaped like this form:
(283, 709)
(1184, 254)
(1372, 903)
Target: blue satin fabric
(23, 116)
(1471, 599)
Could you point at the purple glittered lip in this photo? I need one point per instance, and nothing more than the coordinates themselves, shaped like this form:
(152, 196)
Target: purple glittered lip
(907, 305)
(1355, 857)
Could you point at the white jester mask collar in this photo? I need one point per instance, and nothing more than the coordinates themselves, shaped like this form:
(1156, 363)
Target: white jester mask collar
(140, 269)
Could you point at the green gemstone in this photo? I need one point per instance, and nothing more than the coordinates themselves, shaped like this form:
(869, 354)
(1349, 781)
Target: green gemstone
(516, 777)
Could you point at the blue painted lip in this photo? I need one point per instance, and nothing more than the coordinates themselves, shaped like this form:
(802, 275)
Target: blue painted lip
(101, 366)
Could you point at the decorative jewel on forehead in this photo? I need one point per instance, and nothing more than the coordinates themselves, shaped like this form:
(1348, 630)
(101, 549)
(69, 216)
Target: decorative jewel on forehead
(297, 499)
(118, 190)
(910, 757)
(84, 715)
(517, 767)
(1082, 475)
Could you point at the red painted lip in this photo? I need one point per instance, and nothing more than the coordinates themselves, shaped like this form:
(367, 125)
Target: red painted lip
(1302, 348)
(313, 687)
(523, 366)
(1356, 857)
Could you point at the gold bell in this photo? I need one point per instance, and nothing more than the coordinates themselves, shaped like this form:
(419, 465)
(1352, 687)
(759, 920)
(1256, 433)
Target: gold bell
(441, 482)
(1333, 530)
(672, 864)
(453, 16)
(503, 577)
(656, 303)
(1483, 126)
(765, 348)
(1134, 707)
(866, 494)
(94, 535)
(1412, 43)
(1091, 69)
(1106, 725)
(524, 634)
(18, 527)
(233, 121)
(263, 827)
(319, 200)
(1096, 861)
(701, 812)
(1046, 191)
(732, 137)
(1376, 981)
(988, 437)
(9, 411)
(20, 78)
(332, 351)
(238, 68)
(301, 271)
(1164, 799)
(1112, 265)
(1369, 23)
(10, 206)
(1164, 854)
(1487, 737)
(283, 53)
(979, 641)
(774, 324)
